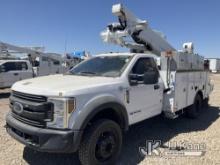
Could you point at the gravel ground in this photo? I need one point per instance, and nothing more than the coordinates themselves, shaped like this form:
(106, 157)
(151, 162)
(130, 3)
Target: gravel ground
(203, 132)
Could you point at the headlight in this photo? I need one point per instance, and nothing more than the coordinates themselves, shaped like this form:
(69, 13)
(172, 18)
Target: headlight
(63, 107)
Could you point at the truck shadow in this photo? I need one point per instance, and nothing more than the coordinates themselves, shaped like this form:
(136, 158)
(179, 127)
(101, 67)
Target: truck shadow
(156, 128)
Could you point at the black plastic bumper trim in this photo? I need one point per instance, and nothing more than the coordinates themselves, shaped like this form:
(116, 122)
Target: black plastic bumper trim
(41, 139)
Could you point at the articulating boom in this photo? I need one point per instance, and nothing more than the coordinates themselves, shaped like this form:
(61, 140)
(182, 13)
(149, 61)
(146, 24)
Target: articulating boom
(144, 38)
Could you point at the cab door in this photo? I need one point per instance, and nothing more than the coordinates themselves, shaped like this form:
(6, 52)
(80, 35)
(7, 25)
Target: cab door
(145, 99)
(9, 74)
(25, 70)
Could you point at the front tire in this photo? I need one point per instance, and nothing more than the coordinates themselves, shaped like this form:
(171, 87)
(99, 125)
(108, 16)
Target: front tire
(195, 109)
(101, 143)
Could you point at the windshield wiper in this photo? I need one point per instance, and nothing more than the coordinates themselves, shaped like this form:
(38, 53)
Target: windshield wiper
(87, 72)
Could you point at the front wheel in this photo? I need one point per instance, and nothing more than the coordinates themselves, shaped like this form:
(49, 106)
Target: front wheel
(195, 109)
(101, 143)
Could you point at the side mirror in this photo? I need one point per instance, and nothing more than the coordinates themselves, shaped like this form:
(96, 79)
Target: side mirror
(2, 69)
(151, 77)
(133, 79)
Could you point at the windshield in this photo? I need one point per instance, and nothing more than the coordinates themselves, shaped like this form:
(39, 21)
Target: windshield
(109, 66)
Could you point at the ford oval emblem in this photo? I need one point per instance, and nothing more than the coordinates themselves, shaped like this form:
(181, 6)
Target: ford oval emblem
(18, 107)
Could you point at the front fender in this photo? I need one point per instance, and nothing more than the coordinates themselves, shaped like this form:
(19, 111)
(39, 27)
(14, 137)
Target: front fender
(79, 117)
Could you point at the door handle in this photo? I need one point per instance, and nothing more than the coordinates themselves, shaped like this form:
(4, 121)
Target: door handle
(15, 74)
(156, 87)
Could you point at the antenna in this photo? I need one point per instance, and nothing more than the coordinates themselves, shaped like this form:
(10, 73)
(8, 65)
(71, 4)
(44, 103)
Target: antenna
(65, 45)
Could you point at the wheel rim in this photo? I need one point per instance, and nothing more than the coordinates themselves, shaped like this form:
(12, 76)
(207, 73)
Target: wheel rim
(105, 146)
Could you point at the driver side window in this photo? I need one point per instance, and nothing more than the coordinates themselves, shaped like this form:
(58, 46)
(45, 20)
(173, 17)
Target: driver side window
(144, 65)
(8, 66)
(145, 68)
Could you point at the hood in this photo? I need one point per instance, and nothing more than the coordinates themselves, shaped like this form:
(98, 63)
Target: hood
(53, 85)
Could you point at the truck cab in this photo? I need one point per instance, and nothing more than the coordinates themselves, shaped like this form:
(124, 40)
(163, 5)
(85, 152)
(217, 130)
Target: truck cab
(12, 71)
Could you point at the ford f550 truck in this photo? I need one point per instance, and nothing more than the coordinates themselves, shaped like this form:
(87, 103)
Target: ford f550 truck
(88, 109)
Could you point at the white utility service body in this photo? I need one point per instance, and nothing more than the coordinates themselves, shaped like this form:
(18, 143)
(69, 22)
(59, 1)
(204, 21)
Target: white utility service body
(183, 89)
(184, 75)
(43, 66)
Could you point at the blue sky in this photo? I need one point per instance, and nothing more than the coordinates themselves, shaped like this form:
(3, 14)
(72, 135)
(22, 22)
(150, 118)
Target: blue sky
(50, 23)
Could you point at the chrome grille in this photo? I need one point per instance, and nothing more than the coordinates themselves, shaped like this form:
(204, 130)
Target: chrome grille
(29, 97)
(36, 111)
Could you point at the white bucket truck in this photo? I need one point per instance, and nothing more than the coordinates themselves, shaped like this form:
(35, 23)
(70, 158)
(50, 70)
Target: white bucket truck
(36, 64)
(88, 109)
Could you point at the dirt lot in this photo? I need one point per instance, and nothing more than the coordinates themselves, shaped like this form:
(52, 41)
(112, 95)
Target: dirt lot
(203, 131)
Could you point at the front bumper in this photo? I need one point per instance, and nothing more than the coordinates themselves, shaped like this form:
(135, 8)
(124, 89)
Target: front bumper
(41, 139)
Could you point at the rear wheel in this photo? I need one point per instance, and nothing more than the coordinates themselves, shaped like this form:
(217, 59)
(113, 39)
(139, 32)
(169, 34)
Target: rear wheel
(195, 109)
(101, 143)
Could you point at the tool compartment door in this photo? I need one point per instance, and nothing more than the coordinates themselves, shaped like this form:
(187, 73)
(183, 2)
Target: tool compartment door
(181, 87)
(191, 88)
